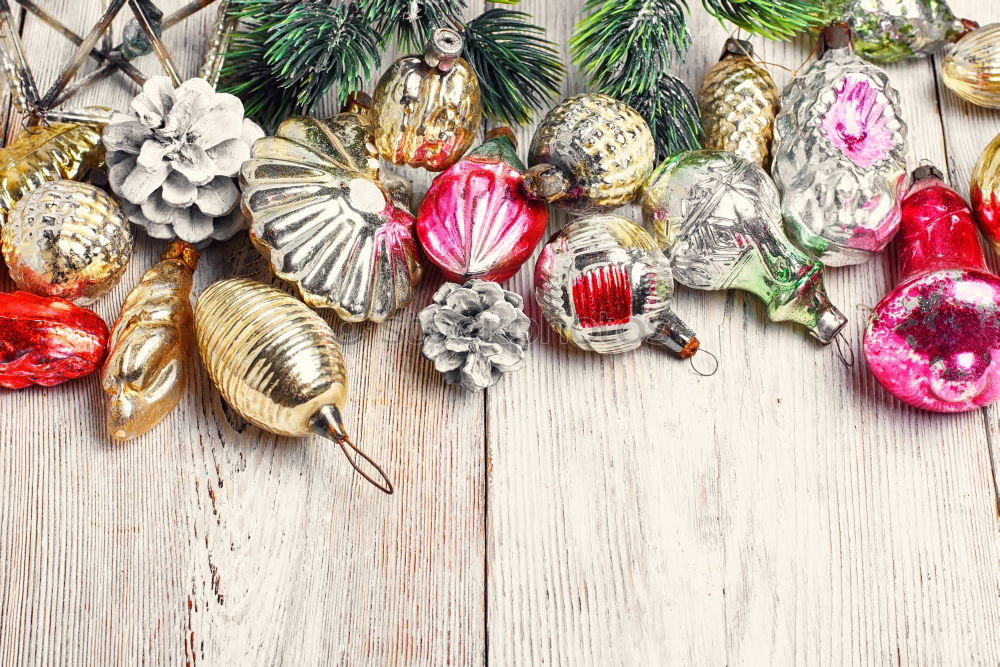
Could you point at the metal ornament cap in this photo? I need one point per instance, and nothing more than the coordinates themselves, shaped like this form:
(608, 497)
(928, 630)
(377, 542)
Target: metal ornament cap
(275, 362)
(604, 286)
(934, 340)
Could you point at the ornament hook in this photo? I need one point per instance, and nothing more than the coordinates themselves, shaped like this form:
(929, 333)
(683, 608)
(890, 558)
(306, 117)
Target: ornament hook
(329, 425)
(715, 359)
(844, 349)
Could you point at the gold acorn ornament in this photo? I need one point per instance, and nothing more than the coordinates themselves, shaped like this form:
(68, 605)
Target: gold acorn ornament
(739, 101)
(590, 153)
(426, 108)
(972, 67)
(277, 363)
(146, 372)
(67, 239)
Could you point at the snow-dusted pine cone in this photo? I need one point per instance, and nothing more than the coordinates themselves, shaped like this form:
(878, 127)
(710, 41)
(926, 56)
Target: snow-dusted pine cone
(475, 333)
(173, 160)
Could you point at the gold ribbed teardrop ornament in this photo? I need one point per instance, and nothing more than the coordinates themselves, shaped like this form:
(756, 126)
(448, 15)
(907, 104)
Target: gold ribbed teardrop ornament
(739, 101)
(277, 363)
(972, 67)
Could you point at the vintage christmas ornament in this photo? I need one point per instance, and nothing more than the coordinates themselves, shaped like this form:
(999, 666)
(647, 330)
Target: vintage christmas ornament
(277, 363)
(972, 67)
(45, 153)
(328, 226)
(604, 286)
(934, 340)
(717, 218)
(476, 221)
(889, 30)
(173, 160)
(47, 341)
(590, 153)
(426, 108)
(67, 239)
(739, 100)
(474, 333)
(840, 155)
(985, 192)
(146, 372)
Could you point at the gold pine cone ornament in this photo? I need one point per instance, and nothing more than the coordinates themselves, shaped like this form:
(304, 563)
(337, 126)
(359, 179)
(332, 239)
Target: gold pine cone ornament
(426, 108)
(277, 363)
(739, 101)
(591, 153)
(146, 372)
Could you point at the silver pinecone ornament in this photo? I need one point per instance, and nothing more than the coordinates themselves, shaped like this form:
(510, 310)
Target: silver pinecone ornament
(173, 160)
(474, 333)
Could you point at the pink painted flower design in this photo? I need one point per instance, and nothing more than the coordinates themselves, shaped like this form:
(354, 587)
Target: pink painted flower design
(856, 122)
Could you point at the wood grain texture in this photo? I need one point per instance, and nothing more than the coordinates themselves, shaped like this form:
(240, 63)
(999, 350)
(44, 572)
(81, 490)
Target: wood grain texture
(588, 510)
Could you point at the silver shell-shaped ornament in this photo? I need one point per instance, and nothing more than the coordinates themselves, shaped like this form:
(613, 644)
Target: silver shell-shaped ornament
(591, 153)
(604, 286)
(886, 31)
(318, 212)
(840, 156)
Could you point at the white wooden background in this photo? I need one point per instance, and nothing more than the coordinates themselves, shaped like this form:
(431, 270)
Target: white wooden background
(588, 510)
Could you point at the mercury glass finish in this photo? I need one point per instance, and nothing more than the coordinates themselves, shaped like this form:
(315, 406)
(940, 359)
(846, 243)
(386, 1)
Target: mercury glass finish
(889, 30)
(972, 67)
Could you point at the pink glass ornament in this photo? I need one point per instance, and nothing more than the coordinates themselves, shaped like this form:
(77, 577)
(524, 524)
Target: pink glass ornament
(476, 221)
(934, 341)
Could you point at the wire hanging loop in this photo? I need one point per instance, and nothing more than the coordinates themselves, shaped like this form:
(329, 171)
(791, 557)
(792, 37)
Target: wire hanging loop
(844, 349)
(715, 365)
(384, 484)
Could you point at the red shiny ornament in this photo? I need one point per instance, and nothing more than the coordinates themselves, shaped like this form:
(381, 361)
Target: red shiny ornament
(934, 341)
(476, 221)
(47, 341)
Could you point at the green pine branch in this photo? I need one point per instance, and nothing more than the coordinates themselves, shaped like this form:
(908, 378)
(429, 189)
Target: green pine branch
(671, 111)
(773, 19)
(412, 21)
(519, 70)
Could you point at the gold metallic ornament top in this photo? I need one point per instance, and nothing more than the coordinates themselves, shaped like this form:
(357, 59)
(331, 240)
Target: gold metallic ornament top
(739, 102)
(275, 362)
(972, 67)
(67, 239)
(146, 372)
(45, 153)
(427, 109)
(590, 153)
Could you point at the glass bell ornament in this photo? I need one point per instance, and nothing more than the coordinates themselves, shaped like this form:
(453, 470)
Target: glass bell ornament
(604, 286)
(67, 239)
(985, 192)
(146, 372)
(840, 155)
(426, 109)
(886, 31)
(934, 340)
(276, 363)
(738, 101)
(476, 221)
(325, 221)
(590, 153)
(972, 67)
(717, 218)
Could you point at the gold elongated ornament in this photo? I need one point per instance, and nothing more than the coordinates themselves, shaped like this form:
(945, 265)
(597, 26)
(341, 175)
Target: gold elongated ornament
(739, 101)
(277, 363)
(45, 153)
(972, 67)
(426, 108)
(146, 372)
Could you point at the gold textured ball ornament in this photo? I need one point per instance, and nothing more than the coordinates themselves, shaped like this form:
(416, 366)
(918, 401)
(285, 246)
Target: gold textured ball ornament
(972, 66)
(277, 363)
(426, 108)
(590, 153)
(739, 101)
(67, 239)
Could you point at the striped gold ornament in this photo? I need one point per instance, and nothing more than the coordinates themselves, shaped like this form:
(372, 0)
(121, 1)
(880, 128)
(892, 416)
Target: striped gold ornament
(972, 67)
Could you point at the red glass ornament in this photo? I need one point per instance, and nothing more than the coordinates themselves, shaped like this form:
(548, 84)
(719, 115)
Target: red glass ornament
(934, 341)
(476, 221)
(47, 341)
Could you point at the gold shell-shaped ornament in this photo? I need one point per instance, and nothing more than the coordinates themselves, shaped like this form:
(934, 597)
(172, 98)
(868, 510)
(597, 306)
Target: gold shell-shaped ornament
(591, 153)
(146, 372)
(426, 108)
(318, 212)
(45, 153)
(67, 239)
(276, 362)
(972, 67)
(739, 101)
